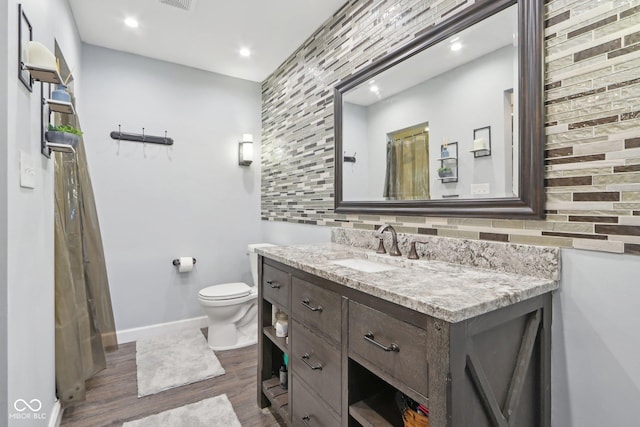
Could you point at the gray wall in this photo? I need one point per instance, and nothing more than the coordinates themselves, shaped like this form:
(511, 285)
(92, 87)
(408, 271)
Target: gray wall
(157, 203)
(4, 39)
(355, 181)
(595, 370)
(29, 253)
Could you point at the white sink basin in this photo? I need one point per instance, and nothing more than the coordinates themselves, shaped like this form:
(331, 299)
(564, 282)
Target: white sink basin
(363, 265)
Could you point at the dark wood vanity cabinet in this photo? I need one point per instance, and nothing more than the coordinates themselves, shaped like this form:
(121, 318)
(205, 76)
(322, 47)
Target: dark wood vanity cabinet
(350, 353)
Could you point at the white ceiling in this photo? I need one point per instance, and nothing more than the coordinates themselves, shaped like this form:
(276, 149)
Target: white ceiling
(209, 35)
(486, 36)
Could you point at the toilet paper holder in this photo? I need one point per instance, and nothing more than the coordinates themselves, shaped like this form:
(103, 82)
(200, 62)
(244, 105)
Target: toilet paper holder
(176, 261)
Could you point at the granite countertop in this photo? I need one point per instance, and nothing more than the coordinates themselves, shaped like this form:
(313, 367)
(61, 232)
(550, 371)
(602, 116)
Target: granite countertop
(447, 291)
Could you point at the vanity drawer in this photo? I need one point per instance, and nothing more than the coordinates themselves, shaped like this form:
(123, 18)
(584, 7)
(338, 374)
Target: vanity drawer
(308, 409)
(275, 285)
(317, 308)
(406, 361)
(318, 363)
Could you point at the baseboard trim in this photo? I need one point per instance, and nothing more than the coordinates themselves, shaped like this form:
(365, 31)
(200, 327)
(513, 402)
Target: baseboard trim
(134, 334)
(56, 414)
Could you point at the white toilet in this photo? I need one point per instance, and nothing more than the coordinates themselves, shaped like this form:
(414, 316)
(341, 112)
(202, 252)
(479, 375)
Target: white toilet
(232, 309)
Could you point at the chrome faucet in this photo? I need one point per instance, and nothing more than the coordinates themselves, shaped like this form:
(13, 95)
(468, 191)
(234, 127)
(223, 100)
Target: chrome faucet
(394, 251)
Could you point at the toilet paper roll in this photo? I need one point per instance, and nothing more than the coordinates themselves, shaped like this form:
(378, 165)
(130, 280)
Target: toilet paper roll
(186, 264)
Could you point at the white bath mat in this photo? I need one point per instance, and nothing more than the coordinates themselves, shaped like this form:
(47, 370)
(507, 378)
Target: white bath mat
(173, 360)
(214, 412)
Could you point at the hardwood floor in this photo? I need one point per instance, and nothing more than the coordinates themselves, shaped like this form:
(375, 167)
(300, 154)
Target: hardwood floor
(112, 395)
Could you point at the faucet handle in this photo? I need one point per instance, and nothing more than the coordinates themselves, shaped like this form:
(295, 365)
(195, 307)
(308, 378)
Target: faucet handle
(381, 249)
(413, 254)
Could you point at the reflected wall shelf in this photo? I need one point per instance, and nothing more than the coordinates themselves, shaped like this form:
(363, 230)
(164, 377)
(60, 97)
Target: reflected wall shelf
(484, 134)
(448, 158)
(482, 152)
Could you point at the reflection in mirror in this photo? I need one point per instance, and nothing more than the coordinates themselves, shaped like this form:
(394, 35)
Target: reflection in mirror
(407, 164)
(404, 121)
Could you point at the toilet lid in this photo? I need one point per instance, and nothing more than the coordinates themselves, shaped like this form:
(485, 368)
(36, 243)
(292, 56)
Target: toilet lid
(225, 291)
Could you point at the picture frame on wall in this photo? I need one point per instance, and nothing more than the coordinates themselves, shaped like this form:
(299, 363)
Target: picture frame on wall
(25, 35)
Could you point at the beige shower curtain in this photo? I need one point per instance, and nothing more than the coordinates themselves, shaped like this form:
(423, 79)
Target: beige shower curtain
(407, 176)
(84, 317)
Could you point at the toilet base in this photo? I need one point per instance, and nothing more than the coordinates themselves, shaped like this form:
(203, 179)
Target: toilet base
(244, 336)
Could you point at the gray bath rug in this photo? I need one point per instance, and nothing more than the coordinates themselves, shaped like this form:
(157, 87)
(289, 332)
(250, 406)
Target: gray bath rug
(214, 412)
(173, 360)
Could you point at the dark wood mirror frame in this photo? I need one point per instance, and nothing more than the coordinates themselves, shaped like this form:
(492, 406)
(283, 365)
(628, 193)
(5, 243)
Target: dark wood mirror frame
(530, 200)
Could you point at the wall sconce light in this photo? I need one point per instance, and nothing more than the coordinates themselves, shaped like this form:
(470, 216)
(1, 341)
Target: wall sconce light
(245, 150)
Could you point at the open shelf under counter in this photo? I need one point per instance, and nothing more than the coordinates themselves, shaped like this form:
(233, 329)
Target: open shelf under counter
(277, 304)
(281, 343)
(278, 396)
(379, 410)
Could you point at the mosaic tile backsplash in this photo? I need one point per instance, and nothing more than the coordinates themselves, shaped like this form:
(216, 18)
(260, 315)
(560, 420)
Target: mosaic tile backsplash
(592, 101)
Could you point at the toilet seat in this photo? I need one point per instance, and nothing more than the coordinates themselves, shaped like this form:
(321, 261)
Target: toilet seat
(225, 291)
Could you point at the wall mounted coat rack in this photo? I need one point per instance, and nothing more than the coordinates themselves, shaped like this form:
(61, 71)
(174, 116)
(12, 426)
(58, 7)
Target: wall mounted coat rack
(137, 137)
(349, 159)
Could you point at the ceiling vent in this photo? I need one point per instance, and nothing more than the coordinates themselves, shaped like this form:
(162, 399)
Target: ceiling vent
(180, 4)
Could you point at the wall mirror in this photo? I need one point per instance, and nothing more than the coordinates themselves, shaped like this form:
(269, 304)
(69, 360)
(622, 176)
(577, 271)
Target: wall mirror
(450, 124)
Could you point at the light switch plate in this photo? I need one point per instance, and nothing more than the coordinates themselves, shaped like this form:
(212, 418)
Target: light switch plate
(480, 188)
(27, 171)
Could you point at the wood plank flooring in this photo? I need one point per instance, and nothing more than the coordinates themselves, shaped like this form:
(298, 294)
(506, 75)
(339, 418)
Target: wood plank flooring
(112, 395)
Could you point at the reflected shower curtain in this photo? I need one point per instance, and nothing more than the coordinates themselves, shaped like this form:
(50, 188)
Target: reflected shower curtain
(84, 316)
(407, 176)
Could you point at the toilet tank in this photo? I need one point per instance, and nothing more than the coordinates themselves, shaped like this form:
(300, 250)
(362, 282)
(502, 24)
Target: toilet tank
(253, 259)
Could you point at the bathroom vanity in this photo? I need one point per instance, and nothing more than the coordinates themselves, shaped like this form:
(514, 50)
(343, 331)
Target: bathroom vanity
(471, 344)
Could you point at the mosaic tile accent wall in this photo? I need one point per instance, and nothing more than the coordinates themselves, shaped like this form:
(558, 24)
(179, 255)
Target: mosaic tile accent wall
(592, 99)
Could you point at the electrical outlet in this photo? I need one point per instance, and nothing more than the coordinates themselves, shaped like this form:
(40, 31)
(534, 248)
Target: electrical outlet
(480, 188)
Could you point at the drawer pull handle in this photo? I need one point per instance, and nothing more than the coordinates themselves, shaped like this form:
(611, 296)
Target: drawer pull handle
(369, 337)
(274, 285)
(305, 420)
(307, 304)
(305, 358)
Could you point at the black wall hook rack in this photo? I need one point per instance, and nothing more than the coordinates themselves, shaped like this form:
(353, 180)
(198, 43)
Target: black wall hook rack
(136, 137)
(349, 159)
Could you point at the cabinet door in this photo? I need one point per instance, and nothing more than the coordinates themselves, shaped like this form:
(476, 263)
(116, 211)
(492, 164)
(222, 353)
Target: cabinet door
(308, 409)
(389, 345)
(317, 308)
(318, 363)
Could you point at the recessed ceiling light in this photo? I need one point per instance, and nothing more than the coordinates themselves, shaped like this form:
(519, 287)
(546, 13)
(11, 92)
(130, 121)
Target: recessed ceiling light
(373, 88)
(456, 46)
(245, 52)
(131, 22)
